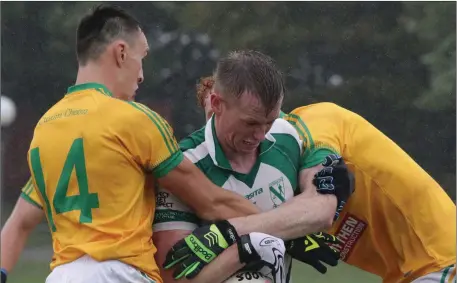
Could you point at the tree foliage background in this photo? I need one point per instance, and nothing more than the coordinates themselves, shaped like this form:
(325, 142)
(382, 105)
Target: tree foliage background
(391, 62)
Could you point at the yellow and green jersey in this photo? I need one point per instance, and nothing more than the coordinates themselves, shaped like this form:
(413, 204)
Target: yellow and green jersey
(91, 157)
(399, 223)
(29, 194)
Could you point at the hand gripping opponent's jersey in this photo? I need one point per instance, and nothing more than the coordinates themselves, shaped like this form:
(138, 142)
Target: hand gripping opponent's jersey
(272, 180)
(88, 157)
(399, 223)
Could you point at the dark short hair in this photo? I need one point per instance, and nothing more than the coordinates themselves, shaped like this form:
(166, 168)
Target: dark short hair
(250, 71)
(99, 28)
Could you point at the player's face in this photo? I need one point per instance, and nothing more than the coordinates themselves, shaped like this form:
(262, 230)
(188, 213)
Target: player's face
(243, 123)
(131, 74)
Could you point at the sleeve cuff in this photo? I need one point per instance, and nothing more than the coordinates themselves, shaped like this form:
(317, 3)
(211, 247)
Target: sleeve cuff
(169, 164)
(30, 200)
(315, 157)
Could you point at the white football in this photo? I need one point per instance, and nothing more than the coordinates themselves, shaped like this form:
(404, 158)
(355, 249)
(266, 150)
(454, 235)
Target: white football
(8, 111)
(248, 276)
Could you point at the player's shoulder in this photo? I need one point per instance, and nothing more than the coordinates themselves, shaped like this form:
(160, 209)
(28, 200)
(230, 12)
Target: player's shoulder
(138, 115)
(281, 127)
(325, 109)
(193, 140)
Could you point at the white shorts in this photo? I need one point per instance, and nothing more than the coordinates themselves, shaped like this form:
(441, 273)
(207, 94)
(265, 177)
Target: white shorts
(86, 269)
(445, 275)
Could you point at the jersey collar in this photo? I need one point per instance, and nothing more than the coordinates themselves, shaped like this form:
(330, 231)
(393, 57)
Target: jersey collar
(98, 87)
(215, 150)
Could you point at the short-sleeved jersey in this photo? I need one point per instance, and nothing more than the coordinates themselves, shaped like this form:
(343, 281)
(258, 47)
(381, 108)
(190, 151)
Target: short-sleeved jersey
(272, 180)
(399, 223)
(29, 194)
(93, 160)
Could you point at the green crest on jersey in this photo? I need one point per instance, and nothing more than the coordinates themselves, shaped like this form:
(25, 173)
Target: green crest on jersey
(277, 192)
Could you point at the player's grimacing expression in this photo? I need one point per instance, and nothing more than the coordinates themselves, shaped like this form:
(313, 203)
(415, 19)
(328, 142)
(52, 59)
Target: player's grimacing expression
(129, 57)
(242, 123)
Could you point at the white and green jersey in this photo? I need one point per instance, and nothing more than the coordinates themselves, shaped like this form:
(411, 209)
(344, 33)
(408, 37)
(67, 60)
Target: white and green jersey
(272, 180)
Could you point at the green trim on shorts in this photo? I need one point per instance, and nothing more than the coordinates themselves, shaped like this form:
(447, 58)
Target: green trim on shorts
(147, 277)
(445, 272)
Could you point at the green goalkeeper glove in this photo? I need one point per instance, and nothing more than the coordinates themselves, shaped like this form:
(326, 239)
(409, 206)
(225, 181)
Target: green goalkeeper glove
(313, 249)
(204, 244)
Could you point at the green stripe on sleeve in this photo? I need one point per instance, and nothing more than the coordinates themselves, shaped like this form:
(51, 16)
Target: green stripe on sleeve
(164, 125)
(169, 164)
(303, 125)
(28, 187)
(162, 133)
(30, 200)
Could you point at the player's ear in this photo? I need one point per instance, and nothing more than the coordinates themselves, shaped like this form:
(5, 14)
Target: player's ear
(216, 102)
(120, 52)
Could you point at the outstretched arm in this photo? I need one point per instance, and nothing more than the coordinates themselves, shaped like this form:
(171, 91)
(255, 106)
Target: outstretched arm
(24, 218)
(207, 200)
(312, 212)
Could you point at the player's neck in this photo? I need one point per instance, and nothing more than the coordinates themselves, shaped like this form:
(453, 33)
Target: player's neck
(241, 162)
(92, 73)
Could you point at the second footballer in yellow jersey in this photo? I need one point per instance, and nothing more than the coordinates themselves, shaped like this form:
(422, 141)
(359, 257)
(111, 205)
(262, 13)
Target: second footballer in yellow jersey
(399, 223)
(386, 225)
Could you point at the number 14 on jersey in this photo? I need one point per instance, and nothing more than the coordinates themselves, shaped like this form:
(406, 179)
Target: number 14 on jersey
(61, 203)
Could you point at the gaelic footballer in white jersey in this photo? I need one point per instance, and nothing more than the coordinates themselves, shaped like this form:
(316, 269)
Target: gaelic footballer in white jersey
(272, 180)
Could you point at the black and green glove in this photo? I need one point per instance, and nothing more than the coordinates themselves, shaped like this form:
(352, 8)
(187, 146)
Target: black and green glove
(335, 178)
(189, 255)
(313, 249)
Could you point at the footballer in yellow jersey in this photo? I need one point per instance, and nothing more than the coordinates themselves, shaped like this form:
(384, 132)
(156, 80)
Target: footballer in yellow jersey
(88, 208)
(399, 223)
(94, 160)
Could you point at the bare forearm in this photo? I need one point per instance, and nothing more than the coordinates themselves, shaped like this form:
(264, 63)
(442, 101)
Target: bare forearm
(13, 240)
(209, 201)
(24, 218)
(229, 205)
(304, 214)
(297, 217)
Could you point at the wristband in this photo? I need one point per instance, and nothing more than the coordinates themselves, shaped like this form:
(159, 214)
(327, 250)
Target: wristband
(246, 251)
(4, 275)
(228, 231)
